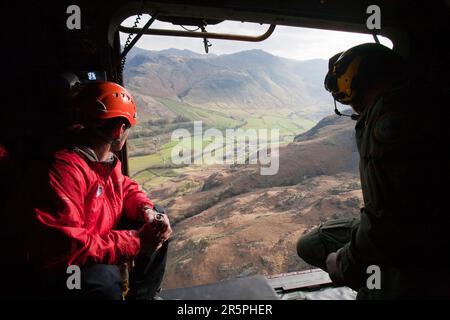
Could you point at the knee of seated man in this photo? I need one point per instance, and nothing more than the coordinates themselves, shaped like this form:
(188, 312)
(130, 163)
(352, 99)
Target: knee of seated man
(309, 247)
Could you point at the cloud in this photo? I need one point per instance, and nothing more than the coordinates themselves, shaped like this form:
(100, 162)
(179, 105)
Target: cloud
(289, 42)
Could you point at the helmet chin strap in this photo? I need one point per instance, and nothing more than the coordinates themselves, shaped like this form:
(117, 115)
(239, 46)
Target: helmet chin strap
(112, 142)
(353, 116)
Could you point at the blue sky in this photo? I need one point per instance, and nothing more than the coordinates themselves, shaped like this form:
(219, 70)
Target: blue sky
(289, 42)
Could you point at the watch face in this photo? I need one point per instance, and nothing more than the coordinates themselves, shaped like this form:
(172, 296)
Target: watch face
(159, 217)
(153, 215)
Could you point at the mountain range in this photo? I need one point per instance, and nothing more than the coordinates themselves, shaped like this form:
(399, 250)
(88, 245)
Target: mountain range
(239, 84)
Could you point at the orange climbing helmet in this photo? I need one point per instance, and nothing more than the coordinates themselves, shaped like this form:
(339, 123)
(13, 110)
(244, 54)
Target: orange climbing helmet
(104, 100)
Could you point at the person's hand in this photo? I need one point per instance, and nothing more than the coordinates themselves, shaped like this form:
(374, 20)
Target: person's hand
(155, 231)
(333, 269)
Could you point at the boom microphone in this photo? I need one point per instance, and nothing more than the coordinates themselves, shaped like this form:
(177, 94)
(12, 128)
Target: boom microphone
(353, 116)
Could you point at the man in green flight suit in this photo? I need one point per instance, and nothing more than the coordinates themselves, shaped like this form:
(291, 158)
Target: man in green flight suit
(401, 233)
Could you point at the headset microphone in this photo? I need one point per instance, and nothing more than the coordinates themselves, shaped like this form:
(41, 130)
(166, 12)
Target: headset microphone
(353, 116)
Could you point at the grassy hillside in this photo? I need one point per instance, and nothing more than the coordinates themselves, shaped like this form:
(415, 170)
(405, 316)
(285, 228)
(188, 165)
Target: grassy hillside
(211, 118)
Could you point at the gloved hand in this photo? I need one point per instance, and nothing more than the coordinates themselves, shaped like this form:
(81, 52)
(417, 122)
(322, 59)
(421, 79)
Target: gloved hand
(334, 270)
(155, 231)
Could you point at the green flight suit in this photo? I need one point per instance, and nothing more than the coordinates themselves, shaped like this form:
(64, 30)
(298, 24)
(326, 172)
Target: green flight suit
(403, 227)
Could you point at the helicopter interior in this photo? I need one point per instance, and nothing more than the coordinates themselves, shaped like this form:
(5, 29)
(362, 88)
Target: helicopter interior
(42, 44)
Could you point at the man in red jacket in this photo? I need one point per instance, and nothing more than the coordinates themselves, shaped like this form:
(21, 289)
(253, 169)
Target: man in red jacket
(85, 199)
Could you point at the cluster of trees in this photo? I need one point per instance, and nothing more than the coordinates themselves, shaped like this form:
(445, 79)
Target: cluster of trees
(160, 126)
(166, 121)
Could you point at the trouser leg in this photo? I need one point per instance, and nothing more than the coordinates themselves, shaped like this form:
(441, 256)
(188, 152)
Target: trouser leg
(148, 273)
(315, 246)
(104, 282)
(98, 282)
(101, 281)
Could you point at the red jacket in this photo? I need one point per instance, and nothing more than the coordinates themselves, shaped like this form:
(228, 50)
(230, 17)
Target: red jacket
(75, 223)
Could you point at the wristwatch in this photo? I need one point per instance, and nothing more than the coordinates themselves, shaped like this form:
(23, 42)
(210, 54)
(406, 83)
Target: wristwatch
(158, 217)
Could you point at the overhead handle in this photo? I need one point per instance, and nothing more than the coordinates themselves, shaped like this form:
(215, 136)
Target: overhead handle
(202, 35)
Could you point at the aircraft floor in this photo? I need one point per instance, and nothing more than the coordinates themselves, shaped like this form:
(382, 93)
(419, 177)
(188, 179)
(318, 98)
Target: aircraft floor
(304, 285)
